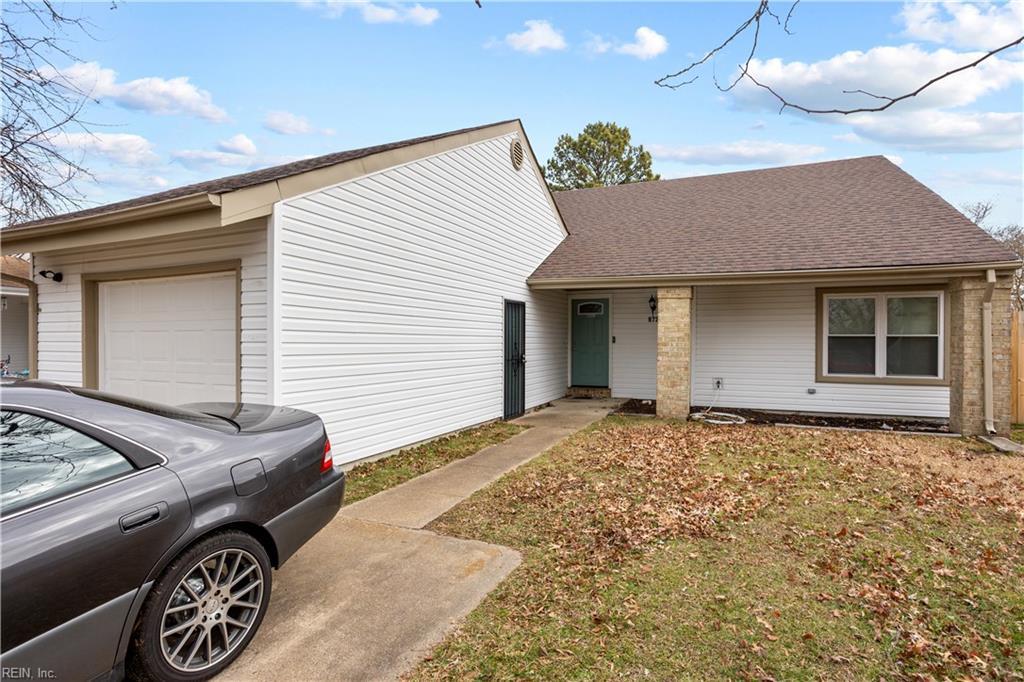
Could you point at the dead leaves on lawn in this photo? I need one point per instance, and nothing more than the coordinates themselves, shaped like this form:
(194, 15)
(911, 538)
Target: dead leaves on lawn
(621, 491)
(638, 488)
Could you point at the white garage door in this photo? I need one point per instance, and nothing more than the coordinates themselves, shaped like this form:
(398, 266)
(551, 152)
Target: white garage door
(171, 340)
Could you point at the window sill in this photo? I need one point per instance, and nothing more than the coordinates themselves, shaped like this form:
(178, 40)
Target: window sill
(881, 381)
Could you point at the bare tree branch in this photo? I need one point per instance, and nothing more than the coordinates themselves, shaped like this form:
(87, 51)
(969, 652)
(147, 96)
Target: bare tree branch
(673, 82)
(977, 211)
(38, 177)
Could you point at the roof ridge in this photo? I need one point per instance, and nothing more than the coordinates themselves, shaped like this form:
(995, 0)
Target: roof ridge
(230, 183)
(738, 172)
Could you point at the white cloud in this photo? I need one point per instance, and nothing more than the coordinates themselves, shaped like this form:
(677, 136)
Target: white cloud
(739, 153)
(152, 94)
(647, 44)
(238, 144)
(597, 44)
(122, 148)
(924, 122)
(943, 131)
(986, 25)
(880, 70)
(374, 13)
(137, 182)
(201, 159)
(848, 137)
(984, 176)
(204, 158)
(539, 35)
(421, 16)
(287, 123)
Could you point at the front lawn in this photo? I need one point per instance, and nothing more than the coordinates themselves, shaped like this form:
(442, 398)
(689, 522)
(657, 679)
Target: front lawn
(663, 550)
(371, 478)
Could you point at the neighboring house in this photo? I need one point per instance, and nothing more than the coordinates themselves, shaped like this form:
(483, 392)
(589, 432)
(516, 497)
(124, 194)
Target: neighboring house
(14, 312)
(412, 289)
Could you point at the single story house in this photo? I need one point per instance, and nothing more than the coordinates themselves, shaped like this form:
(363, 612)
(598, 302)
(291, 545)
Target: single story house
(15, 277)
(415, 288)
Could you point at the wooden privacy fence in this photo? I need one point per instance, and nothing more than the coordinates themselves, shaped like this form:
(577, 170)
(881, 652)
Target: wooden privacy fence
(1016, 358)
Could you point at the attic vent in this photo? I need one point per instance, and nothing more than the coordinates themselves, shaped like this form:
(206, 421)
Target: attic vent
(516, 152)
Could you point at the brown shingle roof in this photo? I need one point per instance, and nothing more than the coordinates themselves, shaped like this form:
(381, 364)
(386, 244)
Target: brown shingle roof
(235, 182)
(853, 213)
(12, 265)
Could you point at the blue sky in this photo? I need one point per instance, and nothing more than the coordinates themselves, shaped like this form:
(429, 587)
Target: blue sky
(189, 91)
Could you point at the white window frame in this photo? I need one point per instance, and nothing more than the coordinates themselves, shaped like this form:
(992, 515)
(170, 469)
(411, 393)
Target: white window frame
(881, 299)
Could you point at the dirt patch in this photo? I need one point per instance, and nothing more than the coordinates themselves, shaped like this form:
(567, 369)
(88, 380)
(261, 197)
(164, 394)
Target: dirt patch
(635, 406)
(638, 406)
(875, 423)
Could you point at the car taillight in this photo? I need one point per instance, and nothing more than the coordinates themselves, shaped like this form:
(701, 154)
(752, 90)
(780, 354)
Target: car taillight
(327, 463)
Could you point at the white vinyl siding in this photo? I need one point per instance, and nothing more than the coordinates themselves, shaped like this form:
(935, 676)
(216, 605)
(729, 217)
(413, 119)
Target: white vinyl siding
(634, 352)
(390, 292)
(60, 305)
(761, 341)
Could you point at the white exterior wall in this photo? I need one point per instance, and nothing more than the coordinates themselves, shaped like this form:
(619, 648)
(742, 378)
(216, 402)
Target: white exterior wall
(761, 341)
(60, 305)
(388, 298)
(634, 352)
(14, 329)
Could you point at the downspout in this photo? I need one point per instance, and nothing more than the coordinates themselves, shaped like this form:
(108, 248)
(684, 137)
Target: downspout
(986, 341)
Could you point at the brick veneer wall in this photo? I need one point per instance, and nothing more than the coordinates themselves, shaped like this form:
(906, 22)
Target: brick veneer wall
(674, 314)
(967, 387)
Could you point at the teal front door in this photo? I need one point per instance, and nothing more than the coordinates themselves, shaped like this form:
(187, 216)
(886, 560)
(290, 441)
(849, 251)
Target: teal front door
(590, 342)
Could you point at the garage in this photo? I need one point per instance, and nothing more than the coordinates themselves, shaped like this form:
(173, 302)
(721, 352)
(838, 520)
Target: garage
(171, 339)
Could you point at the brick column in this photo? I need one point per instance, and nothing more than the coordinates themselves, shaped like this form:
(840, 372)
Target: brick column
(674, 309)
(966, 370)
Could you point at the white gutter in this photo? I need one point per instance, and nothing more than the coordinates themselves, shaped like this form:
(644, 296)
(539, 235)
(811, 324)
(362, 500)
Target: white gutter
(764, 276)
(986, 341)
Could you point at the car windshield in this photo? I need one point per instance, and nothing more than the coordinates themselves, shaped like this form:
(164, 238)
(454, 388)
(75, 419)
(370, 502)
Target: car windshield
(170, 412)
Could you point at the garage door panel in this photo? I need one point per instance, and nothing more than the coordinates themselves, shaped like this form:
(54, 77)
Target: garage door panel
(172, 340)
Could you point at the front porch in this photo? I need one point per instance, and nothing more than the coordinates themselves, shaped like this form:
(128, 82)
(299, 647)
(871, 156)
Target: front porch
(885, 349)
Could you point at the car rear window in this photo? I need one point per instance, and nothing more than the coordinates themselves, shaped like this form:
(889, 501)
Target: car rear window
(42, 460)
(167, 411)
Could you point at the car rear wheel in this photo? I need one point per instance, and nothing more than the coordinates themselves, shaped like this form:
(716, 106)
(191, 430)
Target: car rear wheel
(203, 611)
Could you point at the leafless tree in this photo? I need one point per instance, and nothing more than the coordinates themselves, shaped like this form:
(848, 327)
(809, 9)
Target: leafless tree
(752, 27)
(38, 177)
(977, 211)
(1010, 235)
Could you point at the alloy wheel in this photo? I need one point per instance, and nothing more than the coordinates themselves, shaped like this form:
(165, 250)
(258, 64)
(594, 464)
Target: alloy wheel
(211, 610)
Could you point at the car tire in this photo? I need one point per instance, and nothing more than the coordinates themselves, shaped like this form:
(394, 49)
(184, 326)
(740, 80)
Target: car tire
(203, 610)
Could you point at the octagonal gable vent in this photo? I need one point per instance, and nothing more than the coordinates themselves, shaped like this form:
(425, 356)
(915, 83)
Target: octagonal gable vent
(517, 154)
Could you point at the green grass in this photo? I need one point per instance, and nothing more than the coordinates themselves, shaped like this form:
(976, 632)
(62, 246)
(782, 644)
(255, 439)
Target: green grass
(369, 479)
(661, 550)
(1017, 432)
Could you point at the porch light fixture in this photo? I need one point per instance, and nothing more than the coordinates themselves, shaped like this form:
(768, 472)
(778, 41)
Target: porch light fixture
(653, 304)
(50, 274)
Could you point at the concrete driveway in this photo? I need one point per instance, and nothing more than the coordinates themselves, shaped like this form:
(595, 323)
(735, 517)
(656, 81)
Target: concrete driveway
(373, 593)
(366, 601)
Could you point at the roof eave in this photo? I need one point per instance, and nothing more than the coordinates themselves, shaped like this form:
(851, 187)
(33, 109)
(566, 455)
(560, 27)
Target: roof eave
(186, 204)
(768, 277)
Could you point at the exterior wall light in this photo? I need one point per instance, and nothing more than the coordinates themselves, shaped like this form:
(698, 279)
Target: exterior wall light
(652, 302)
(50, 274)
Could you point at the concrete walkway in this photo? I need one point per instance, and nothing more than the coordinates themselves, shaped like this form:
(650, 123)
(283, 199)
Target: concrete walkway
(370, 596)
(416, 503)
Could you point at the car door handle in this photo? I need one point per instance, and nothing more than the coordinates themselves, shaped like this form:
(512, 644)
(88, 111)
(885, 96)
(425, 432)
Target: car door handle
(143, 517)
